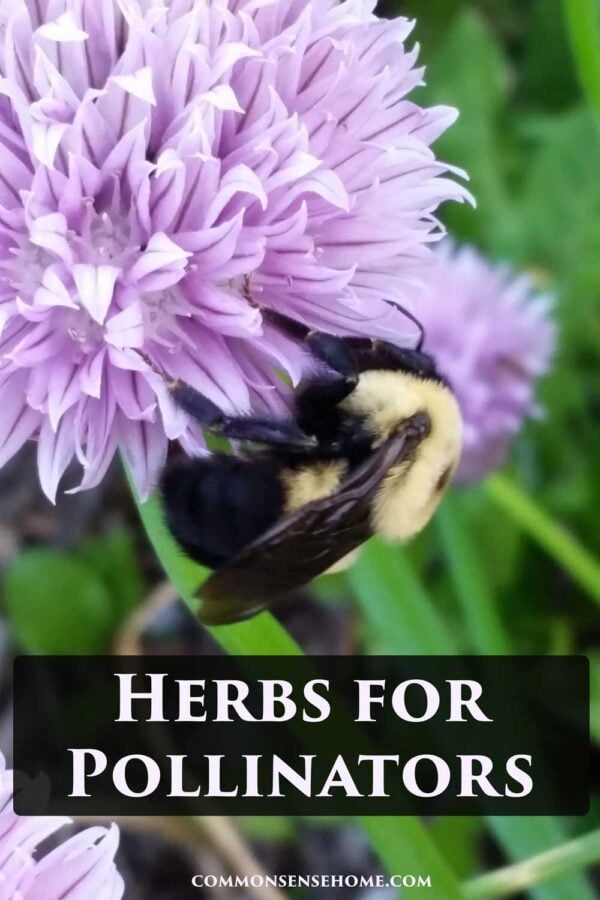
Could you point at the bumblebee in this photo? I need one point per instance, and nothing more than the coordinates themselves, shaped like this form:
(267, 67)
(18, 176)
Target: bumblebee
(373, 441)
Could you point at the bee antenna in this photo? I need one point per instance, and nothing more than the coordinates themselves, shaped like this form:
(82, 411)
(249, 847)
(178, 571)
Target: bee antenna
(414, 320)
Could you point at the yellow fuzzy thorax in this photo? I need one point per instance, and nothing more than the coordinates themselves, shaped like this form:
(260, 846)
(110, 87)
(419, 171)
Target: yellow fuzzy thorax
(313, 482)
(411, 492)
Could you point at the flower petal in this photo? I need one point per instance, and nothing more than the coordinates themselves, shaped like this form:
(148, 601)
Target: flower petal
(161, 265)
(126, 329)
(64, 29)
(18, 421)
(96, 285)
(145, 448)
(81, 868)
(55, 451)
(139, 84)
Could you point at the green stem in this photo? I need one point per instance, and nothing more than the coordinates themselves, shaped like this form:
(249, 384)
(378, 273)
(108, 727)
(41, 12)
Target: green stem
(583, 27)
(396, 605)
(402, 844)
(524, 837)
(577, 854)
(383, 600)
(262, 633)
(580, 564)
(479, 607)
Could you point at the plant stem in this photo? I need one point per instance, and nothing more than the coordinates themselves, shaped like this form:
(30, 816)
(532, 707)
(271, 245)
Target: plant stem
(477, 602)
(525, 837)
(262, 633)
(583, 27)
(518, 836)
(576, 854)
(401, 843)
(395, 603)
(576, 560)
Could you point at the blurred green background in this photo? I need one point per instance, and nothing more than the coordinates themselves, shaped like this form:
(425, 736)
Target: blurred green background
(502, 568)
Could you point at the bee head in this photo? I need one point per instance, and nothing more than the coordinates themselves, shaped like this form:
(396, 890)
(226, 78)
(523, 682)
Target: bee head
(416, 361)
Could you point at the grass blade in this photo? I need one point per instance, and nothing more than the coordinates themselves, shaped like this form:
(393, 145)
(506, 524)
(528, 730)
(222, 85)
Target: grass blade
(576, 854)
(396, 604)
(583, 27)
(578, 562)
(520, 836)
(384, 582)
(524, 837)
(479, 608)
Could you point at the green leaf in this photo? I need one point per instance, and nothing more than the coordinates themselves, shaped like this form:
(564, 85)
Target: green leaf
(267, 828)
(583, 24)
(112, 557)
(185, 574)
(470, 73)
(595, 695)
(547, 78)
(560, 222)
(518, 836)
(478, 604)
(574, 559)
(458, 838)
(56, 604)
(525, 837)
(395, 603)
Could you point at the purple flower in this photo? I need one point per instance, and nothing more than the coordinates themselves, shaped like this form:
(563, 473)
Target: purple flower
(152, 156)
(79, 869)
(493, 336)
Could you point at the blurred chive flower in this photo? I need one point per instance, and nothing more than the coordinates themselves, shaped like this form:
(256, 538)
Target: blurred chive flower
(493, 336)
(82, 868)
(151, 156)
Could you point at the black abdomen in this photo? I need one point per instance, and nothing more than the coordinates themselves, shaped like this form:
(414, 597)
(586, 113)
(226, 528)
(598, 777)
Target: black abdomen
(216, 506)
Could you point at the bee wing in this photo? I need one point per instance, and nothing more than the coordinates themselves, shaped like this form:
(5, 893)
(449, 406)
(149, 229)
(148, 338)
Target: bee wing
(308, 541)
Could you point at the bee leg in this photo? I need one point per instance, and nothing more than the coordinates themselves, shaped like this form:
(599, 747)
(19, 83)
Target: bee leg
(317, 403)
(273, 432)
(336, 352)
(291, 327)
(319, 395)
(382, 355)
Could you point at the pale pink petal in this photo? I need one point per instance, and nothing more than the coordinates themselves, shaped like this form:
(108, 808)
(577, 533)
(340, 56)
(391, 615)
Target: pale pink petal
(145, 449)
(126, 329)
(55, 451)
(81, 868)
(96, 286)
(18, 421)
(50, 233)
(91, 375)
(63, 390)
(161, 258)
(138, 83)
(64, 29)
(493, 337)
(53, 292)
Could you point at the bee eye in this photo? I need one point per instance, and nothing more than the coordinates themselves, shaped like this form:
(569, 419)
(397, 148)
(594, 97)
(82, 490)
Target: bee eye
(444, 480)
